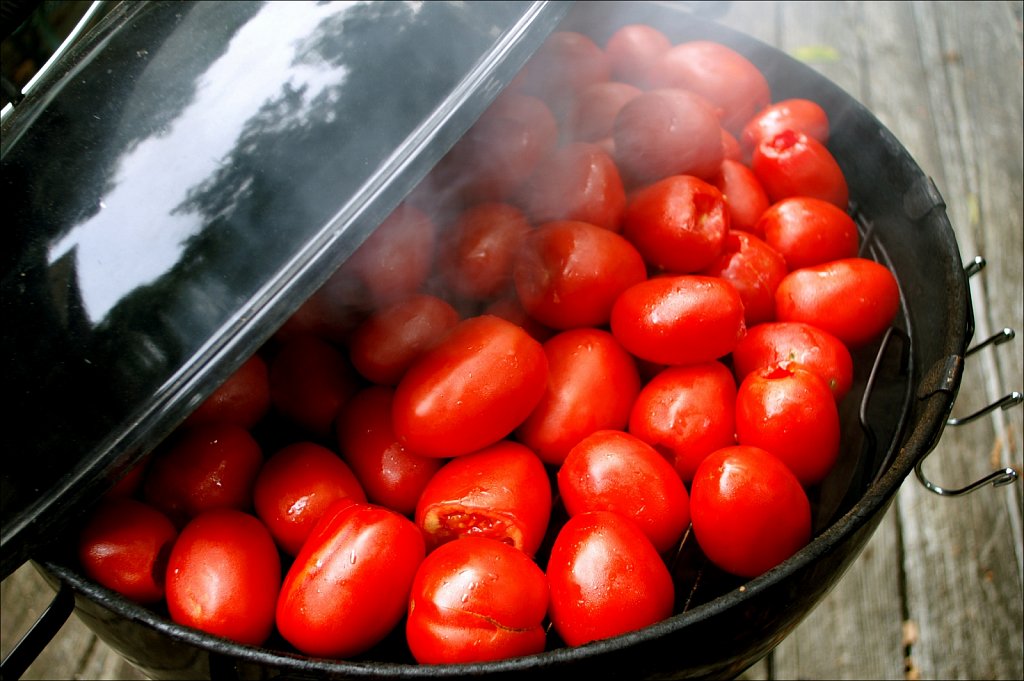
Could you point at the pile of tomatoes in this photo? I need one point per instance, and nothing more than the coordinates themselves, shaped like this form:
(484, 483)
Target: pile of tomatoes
(621, 307)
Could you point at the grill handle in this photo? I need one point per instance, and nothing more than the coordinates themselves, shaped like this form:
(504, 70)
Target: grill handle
(39, 636)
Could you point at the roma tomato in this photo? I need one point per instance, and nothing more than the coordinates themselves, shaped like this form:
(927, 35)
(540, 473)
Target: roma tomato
(632, 52)
(502, 492)
(606, 579)
(755, 270)
(686, 319)
(678, 224)
(223, 576)
(800, 115)
(349, 586)
(479, 249)
(795, 345)
(389, 474)
(745, 198)
(125, 545)
(749, 511)
(854, 299)
(476, 600)
(578, 181)
(201, 468)
(569, 273)
(390, 339)
(809, 231)
(596, 108)
(794, 164)
(296, 486)
(686, 413)
(718, 73)
(565, 64)
(310, 381)
(244, 398)
(611, 470)
(592, 384)
(667, 132)
(471, 390)
(791, 413)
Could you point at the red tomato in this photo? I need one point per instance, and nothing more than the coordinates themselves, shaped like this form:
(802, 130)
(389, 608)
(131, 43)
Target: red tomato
(389, 474)
(390, 339)
(632, 52)
(223, 577)
(755, 269)
(794, 164)
(579, 181)
(801, 115)
(718, 73)
(731, 147)
(202, 468)
(471, 390)
(479, 249)
(501, 492)
(394, 261)
(854, 299)
(130, 482)
(678, 224)
(596, 108)
(686, 413)
(592, 383)
(511, 309)
(124, 546)
(667, 132)
(809, 231)
(611, 470)
(349, 586)
(606, 579)
(745, 198)
(476, 600)
(791, 413)
(296, 486)
(568, 273)
(244, 398)
(310, 381)
(795, 345)
(749, 511)
(684, 319)
(563, 67)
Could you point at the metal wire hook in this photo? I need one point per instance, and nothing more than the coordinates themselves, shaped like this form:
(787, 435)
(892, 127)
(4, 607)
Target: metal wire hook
(998, 478)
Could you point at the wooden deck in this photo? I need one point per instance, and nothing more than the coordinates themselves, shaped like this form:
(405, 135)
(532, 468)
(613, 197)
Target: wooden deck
(937, 593)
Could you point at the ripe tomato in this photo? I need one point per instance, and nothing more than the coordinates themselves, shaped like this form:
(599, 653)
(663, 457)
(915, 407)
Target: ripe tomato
(795, 345)
(592, 383)
(511, 309)
(745, 198)
(223, 576)
(244, 398)
(686, 413)
(476, 600)
(854, 299)
(310, 381)
(501, 491)
(202, 468)
(596, 108)
(794, 164)
(606, 579)
(800, 115)
(684, 319)
(389, 474)
(296, 486)
(124, 546)
(678, 224)
(475, 262)
(578, 181)
(718, 73)
(791, 413)
(349, 585)
(569, 273)
(610, 470)
(667, 132)
(749, 511)
(755, 270)
(809, 231)
(390, 339)
(565, 64)
(471, 390)
(633, 50)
